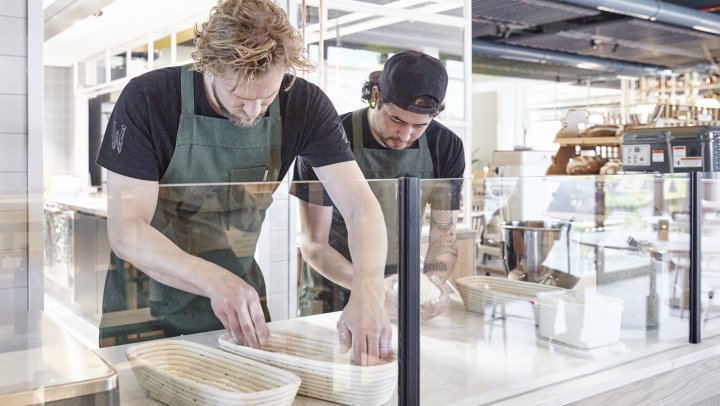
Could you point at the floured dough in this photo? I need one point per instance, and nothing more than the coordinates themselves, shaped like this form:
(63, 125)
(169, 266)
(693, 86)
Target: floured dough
(428, 290)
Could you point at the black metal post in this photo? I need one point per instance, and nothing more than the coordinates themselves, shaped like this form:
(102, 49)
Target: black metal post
(695, 256)
(409, 295)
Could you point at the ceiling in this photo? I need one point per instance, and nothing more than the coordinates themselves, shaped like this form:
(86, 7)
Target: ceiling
(72, 33)
(555, 39)
(564, 30)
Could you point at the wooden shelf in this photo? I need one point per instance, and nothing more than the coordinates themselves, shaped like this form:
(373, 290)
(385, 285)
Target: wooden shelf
(569, 141)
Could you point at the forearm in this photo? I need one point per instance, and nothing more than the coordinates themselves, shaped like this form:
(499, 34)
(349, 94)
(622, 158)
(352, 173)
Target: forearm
(328, 262)
(442, 252)
(367, 239)
(150, 251)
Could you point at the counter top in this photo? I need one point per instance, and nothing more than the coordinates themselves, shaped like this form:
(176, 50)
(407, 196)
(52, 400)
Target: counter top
(43, 364)
(88, 203)
(475, 359)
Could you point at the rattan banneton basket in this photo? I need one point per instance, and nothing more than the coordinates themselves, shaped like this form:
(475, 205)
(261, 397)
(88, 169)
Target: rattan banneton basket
(325, 373)
(515, 298)
(177, 372)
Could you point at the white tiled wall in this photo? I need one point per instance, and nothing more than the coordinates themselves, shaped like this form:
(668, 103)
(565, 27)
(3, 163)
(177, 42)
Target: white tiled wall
(13, 156)
(276, 256)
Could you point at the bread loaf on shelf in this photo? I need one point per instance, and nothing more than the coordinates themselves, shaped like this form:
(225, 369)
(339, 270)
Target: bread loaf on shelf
(610, 168)
(585, 165)
(601, 131)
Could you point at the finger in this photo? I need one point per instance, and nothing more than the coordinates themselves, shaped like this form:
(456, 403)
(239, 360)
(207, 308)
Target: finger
(359, 344)
(373, 350)
(386, 349)
(344, 336)
(248, 328)
(258, 317)
(224, 320)
(234, 327)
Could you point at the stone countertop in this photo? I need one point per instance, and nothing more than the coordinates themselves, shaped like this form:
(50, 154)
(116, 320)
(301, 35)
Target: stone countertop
(474, 359)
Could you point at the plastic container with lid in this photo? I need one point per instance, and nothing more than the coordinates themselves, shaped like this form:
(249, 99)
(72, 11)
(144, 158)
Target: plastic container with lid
(582, 319)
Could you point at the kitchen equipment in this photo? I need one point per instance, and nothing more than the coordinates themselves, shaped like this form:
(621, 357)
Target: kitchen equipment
(582, 319)
(671, 149)
(526, 245)
(180, 372)
(325, 373)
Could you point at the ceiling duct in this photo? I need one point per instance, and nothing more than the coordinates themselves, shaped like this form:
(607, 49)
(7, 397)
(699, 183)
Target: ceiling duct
(559, 58)
(658, 11)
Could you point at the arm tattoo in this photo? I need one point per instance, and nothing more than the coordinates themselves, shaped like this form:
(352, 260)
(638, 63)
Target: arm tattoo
(443, 220)
(435, 267)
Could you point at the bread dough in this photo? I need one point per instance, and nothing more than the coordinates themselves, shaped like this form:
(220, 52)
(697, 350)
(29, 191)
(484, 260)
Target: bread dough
(428, 290)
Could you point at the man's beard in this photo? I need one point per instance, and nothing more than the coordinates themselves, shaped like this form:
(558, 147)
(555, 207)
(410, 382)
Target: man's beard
(239, 120)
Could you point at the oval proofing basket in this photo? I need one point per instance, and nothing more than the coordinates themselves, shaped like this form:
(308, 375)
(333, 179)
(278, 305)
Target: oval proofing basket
(517, 298)
(325, 374)
(179, 372)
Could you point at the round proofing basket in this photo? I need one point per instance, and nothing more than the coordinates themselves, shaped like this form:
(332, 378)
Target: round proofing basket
(179, 372)
(325, 374)
(517, 297)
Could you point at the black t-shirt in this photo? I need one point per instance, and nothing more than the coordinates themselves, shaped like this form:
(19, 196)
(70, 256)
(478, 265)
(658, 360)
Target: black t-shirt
(446, 152)
(146, 118)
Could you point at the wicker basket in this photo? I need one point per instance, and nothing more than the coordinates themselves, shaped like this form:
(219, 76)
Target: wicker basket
(511, 297)
(325, 373)
(179, 372)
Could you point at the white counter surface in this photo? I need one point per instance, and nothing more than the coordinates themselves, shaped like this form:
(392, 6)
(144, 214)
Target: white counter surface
(93, 204)
(471, 359)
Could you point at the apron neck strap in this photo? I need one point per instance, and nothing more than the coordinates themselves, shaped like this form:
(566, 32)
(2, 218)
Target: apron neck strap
(357, 128)
(187, 90)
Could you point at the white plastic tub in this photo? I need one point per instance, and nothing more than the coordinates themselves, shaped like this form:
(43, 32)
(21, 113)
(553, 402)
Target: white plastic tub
(581, 319)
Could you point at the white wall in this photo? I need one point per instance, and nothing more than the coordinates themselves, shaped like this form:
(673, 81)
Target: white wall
(59, 122)
(13, 156)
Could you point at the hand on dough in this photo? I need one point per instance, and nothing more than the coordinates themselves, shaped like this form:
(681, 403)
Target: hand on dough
(433, 297)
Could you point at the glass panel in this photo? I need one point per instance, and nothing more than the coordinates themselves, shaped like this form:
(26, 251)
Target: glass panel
(710, 255)
(100, 64)
(326, 269)
(571, 276)
(118, 67)
(185, 45)
(162, 51)
(138, 61)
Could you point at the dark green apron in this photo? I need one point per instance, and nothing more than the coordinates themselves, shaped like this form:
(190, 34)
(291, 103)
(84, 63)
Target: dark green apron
(217, 222)
(317, 293)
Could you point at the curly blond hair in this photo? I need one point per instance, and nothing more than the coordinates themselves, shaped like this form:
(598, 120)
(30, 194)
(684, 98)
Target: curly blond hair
(246, 37)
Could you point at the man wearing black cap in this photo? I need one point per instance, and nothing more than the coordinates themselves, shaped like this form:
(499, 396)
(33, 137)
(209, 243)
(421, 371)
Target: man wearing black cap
(395, 137)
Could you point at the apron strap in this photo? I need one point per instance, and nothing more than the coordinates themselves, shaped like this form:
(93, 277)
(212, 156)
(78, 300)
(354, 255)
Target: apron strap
(187, 90)
(357, 126)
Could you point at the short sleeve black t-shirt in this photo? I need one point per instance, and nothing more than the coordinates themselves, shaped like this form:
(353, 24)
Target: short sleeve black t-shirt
(140, 138)
(446, 151)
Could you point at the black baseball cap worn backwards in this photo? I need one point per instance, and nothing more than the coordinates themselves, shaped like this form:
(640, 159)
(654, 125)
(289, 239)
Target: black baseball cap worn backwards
(408, 75)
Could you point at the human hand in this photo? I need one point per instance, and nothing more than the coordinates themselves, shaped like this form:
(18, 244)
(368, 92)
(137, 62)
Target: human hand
(434, 297)
(433, 307)
(237, 305)
(365, 327)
